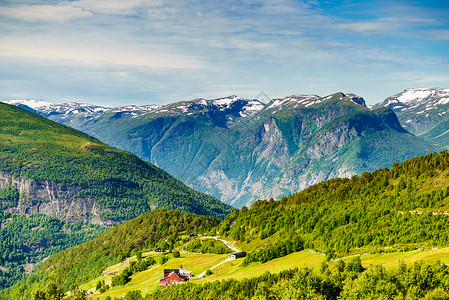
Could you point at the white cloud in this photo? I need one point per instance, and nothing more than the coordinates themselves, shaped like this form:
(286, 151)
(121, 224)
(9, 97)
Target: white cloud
(121, 7)
(94, 54)
(33, 13)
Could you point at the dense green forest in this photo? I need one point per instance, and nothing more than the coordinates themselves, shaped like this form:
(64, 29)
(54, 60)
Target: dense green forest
(84, 262)
(399, 208)
(33, 147)
(206, 246)
(25, 240)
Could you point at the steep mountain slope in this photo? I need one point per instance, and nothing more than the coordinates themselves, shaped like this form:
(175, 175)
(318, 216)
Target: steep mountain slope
(51, 169)
(298, 141)
(242, 150)
(67, 174)
(423, 112)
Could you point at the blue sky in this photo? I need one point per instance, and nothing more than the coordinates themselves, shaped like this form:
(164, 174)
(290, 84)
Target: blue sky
(121, 52)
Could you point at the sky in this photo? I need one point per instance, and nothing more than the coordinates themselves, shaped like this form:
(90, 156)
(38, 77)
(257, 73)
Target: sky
(121, 52)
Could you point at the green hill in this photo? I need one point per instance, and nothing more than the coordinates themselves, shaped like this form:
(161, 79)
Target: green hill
(84, 262)
(397, 208)
(70, 177)
(123, 186)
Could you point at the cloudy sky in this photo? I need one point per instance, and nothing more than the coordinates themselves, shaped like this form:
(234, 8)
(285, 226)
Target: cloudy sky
(119, 52)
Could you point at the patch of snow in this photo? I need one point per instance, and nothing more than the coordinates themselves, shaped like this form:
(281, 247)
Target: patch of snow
(254, 106)
(391, 101)
(443, 101)
(311, 103)
(420, 112)
(414, 94)
(30, 103)
(276, 103)
(225, 101)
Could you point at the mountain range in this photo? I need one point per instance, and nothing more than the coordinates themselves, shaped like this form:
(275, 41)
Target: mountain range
(423, 112)
(240, 150)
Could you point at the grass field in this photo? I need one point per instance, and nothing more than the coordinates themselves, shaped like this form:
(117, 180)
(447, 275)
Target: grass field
(148, 280)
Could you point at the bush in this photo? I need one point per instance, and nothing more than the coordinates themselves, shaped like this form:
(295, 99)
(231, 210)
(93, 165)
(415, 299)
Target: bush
(176, 253)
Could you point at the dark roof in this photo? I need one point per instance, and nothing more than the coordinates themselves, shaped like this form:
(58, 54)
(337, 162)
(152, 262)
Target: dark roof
(239, 254)
(171, 270)
(175, 272)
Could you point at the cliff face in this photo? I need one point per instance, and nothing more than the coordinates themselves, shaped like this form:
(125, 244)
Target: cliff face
(52, 199)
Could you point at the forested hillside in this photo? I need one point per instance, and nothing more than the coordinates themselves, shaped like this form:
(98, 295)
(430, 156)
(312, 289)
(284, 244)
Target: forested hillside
(400, 208)
(25, 240)
(34, 148)
(86, 261)
(52, 169)
(389, 210)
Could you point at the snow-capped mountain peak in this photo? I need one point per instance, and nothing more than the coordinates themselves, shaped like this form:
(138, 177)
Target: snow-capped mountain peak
(420, 94)
(34, 104)
(418, 109)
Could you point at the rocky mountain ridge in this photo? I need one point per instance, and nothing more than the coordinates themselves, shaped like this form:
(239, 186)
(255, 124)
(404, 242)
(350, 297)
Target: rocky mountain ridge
(423, 112)
(241, 150)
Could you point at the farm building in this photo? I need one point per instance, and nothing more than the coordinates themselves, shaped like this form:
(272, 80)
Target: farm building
(237, 255)
(172, 276)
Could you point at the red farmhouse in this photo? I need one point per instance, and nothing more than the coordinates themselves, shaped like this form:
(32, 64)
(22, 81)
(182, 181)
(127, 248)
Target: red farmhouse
(172, 276)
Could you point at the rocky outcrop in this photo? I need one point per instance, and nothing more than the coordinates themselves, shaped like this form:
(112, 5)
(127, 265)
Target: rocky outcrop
(53, 199)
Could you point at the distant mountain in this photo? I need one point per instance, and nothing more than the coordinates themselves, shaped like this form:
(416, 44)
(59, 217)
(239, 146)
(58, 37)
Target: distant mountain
(241, 150)
(297, 141)
(423, 112)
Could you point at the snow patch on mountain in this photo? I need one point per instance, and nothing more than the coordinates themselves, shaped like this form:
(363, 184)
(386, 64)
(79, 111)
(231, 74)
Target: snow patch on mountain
(34, 104)
(414, 94)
